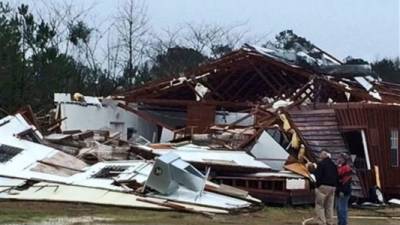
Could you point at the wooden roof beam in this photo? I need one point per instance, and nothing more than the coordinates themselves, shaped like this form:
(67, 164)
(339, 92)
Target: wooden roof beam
(243, 87)
(262, 76)
(184, 103)
(275, 77)
(257, 90)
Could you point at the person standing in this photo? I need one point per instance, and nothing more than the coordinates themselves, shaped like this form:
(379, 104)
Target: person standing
(343, 191)
(326, 176)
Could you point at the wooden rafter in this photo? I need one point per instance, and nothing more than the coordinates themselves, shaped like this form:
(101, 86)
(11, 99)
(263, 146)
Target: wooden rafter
(243, 87)
(254, 90)
(263, 77)
(184, 103)
(222, 83)
(279, 81)
(288, 79)
(234, 83)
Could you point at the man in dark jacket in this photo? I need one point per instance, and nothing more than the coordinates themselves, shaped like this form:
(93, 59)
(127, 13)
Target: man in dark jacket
(326, 177)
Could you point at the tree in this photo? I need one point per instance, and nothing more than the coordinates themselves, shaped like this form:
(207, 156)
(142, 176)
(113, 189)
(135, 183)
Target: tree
(12, 67)
(388, 69)
(32, 68)
(79, 32)
(288, 40)
(218, 50)
(354, 61)
(213, 40)
(131, 25)
(175, 61)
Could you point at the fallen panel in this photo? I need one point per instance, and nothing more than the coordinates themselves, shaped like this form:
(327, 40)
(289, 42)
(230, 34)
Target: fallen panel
(216, 159)
(166, 135)
(45, 191)
(269, 151)
(14, 125)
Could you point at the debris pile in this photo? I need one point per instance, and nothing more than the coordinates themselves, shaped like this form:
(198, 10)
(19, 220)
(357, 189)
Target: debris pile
(31, 170)
(91, 146)
(243, 125)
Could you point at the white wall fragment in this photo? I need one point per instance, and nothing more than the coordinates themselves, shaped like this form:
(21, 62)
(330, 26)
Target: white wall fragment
(295, 184)
(166, 135)
(94, 117)
(269, 151)
(366, 85)
(201, 90)
(375, 94)
(348, 95)
(281, 103)
(62, 97)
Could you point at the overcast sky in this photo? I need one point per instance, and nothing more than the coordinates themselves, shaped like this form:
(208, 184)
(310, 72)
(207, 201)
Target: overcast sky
(360, 28)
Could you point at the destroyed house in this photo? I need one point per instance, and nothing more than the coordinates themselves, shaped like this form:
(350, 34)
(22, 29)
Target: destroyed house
(328, 105)
(31, 171)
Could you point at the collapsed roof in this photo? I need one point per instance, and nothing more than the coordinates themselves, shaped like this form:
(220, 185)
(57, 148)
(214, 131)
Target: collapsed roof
(254, 75)
(272, 85)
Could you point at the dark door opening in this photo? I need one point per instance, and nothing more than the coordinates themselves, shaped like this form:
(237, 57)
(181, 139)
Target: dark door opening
(354, 141)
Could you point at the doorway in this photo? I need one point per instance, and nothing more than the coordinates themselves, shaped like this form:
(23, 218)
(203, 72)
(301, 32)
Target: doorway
(357, 145)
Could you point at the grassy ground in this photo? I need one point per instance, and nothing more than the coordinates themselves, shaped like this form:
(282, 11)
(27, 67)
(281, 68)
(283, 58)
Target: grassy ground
(66, 214)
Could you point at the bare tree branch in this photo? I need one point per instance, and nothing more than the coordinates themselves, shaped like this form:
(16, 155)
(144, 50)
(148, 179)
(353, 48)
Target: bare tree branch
(131, 25)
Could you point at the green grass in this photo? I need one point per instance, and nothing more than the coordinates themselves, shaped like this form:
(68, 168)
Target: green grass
(19, 212)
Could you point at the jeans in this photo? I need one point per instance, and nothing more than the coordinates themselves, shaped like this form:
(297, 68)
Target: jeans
(342, 203)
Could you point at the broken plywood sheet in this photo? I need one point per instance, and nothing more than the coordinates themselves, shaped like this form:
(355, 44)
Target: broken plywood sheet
(57, 137)
(100, 152)
(298, 168)
(60, 164)
(96, 150)
(229, 190)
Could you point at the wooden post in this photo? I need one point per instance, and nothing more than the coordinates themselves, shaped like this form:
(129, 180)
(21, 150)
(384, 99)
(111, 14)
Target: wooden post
(377, 177)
